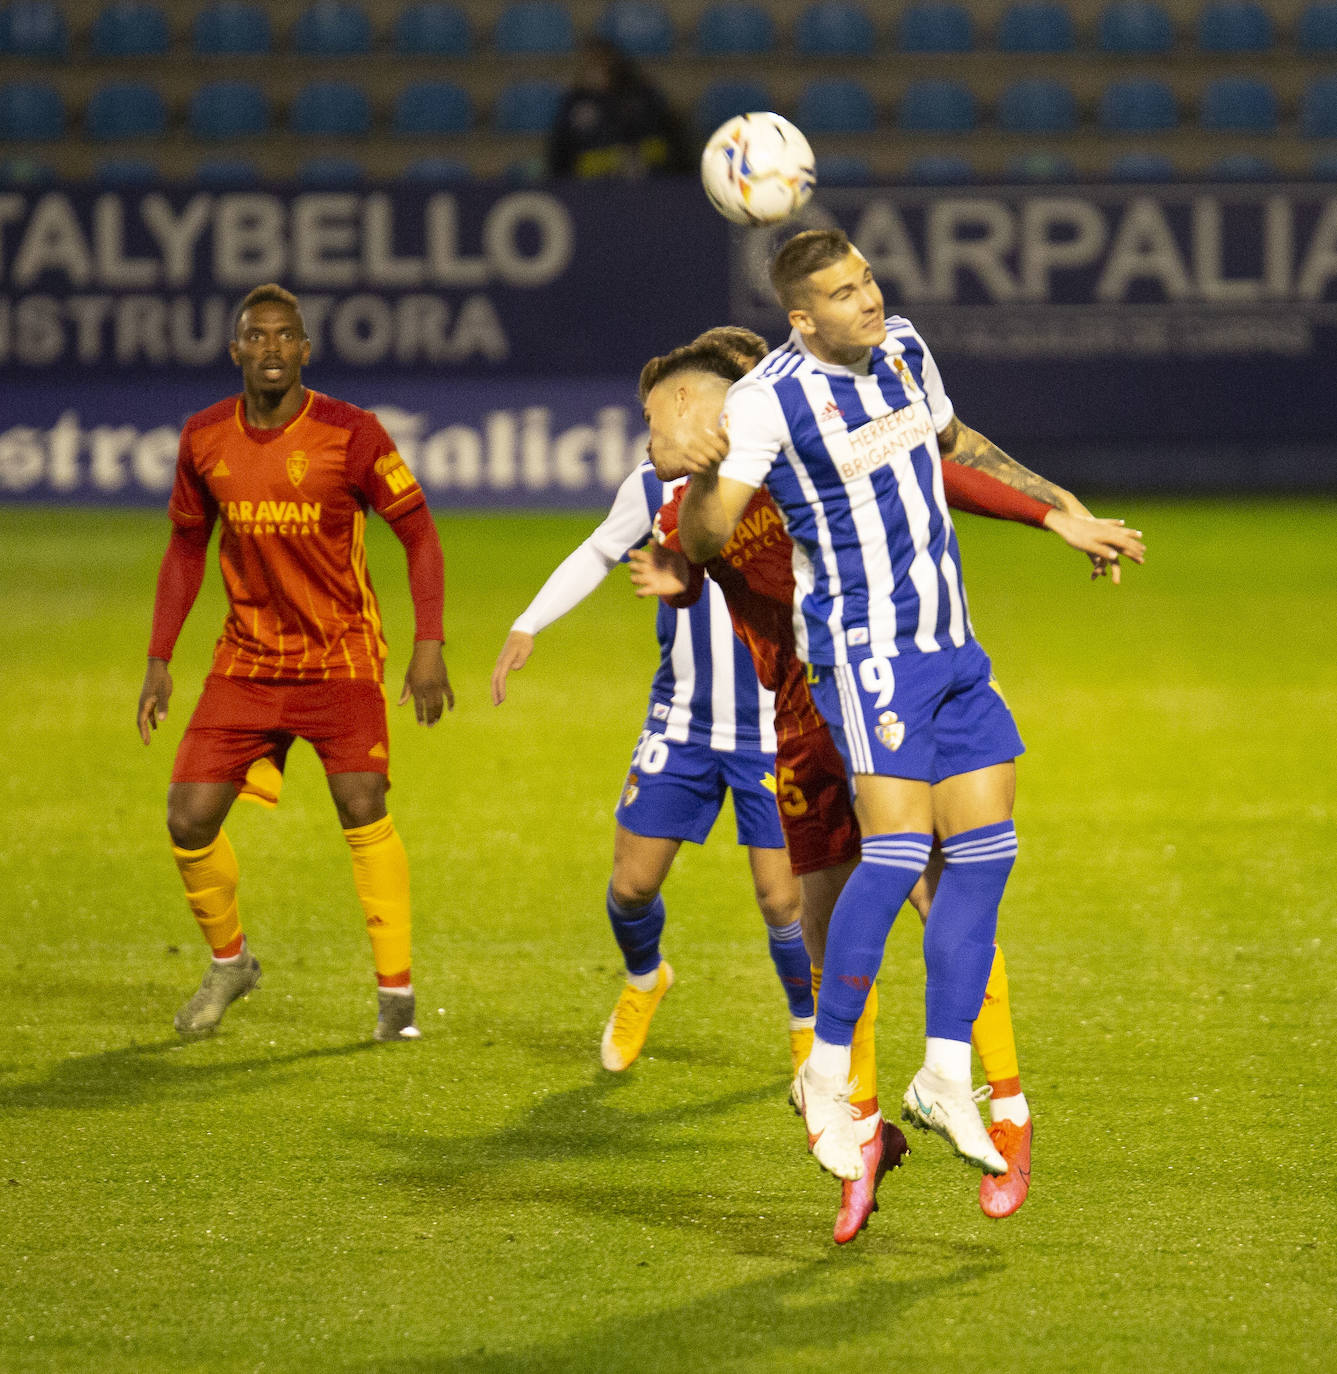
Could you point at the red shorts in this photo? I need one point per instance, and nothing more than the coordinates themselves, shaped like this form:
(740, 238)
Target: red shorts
(814, 798)
(240, 720)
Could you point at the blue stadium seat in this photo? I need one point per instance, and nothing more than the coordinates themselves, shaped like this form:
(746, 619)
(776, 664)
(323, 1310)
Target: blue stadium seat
(1142, 167)
(129, 28)
(127, 172)
(843, 170)
(330, 108)
(31, 111)
(437, 171)
(432, 30)
(1317, 29)
(736, 29)
(227, 173)
(1041, 167)
(1134, 26)
(940, 169)
(1243, 104)
(534, 27)
(1042, 27)
(722, 100)
(1318, 108)
(332, 28)
(1234, 26)
(1141, 104)
(834, 28)
(1241, 167)
(1037, 105)
(228, 109)
(332, 172)
(432, 107)
(641, 28)
(125, 109)
(944, 27)
(232, 28)
(937, 105)
(34, 28)
(526, 107)
(837, 105)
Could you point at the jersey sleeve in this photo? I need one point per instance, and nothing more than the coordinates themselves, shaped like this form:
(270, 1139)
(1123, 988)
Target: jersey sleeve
(379, 473)
(757, 432)
(666, 533)
(939, 406)
(190, 505)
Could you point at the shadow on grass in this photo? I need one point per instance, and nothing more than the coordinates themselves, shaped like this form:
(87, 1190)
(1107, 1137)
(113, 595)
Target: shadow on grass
(136, 1073)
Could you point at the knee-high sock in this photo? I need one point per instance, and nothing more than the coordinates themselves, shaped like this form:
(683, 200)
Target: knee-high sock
(992, 1033)
(958, 936)
(381, 876)
(210, 875)
(637, 930)
(860, 923)
(790, 957)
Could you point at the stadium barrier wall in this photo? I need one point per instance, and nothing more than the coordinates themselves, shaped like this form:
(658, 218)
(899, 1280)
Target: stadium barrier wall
(1133, 337)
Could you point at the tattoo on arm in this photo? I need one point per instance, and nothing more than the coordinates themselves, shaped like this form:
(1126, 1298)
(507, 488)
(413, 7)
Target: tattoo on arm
(971, 449)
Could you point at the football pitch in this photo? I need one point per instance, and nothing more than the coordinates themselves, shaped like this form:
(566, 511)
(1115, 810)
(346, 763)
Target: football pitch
(290, 1196)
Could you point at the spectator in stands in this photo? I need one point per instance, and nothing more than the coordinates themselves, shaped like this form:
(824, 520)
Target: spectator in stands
(614, 122)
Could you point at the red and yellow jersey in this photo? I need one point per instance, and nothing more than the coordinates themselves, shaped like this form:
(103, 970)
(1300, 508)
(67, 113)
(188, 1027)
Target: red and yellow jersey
(292, 503)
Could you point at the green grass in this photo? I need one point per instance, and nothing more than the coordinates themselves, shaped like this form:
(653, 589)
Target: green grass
(287, 1196)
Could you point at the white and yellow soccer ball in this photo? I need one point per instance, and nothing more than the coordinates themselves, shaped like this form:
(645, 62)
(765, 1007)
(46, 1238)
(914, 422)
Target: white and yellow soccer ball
(757, 168)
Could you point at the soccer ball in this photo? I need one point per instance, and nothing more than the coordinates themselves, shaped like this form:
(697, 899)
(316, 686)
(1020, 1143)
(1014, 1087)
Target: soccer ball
(757, 169)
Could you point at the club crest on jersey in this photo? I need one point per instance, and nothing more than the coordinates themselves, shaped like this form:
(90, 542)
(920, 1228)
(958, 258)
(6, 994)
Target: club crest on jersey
(905, 377)
(297, 466)
(631, 790)
(890, 730)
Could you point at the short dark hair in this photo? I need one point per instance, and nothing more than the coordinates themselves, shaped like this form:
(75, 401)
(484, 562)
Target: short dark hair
(748, 348)
(801, 256)
(710, 356)
(270, 291)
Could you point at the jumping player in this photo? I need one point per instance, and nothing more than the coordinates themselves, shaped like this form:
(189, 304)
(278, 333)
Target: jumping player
(288, 474)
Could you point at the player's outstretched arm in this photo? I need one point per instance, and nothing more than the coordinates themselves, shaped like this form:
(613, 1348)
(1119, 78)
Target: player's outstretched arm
(154, 696)
(514, 655)
(1103, 541)
(657, 571)
(427, 682)
(710, 513)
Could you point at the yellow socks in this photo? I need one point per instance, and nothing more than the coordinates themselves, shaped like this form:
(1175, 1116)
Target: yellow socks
(863, 1052)
(210, 876)
(381, 876)
(992, 1034)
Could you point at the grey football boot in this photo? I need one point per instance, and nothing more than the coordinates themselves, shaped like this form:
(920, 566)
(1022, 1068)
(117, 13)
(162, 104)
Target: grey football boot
(221, 986)
(394, 1016)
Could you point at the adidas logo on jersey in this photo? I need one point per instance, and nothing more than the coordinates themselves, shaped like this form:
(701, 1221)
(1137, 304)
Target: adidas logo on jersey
(830, 411)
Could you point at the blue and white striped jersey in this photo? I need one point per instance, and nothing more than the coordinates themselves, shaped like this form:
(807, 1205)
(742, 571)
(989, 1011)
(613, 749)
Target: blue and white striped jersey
(706, 689)
(852, 461)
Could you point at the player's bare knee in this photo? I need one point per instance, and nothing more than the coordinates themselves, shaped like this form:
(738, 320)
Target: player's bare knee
(631, 889)
(190, 825)
(779, 903)
(359, 798)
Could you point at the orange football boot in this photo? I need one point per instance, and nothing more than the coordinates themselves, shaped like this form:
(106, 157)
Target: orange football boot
(1002, 1194)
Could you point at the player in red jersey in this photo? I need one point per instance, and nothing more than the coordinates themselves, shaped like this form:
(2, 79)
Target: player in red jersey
(289, 474)
(682, 393)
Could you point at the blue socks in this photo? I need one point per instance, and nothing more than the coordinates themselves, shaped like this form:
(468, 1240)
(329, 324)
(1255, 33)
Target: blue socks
(637, 930)
(860, 924)
(958, 939)
(790, 957)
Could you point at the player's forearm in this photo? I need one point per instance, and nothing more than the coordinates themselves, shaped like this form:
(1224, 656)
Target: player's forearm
(426, 565)
(180, 576)
(704, 523)
(574, 578)
(969, 448)
(980, 493)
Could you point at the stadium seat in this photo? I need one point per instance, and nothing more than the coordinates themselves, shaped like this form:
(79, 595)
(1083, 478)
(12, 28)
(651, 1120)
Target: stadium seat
(722, 100)
(935, 28)
(228, 109)
(432, 30)
(1318, 108)
(1142, 104)
(736, 29)
(936, 105)
(526, 107)
(1241, 167)
(1234, 26)
(1242, 104)
(1317, 29)
(1135, 26)
(127, 171)
(837, 105)
(843, 170)
(534, 27)
(332, 28)
(436, 171)
(1037, 105)
(33, 28)
(940, 169)
(1142, 167)
(125, 109)
(641, 28)
(233, 28)
(1035, 28)
(227, 173)
(834, 28)
(31, 111)
(129, 28)
(432, 107)
(323, 108)
(331, 171)
(1040, 167)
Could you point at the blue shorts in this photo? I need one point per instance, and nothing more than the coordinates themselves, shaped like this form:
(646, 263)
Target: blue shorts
(674, 791)
(921, 716)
